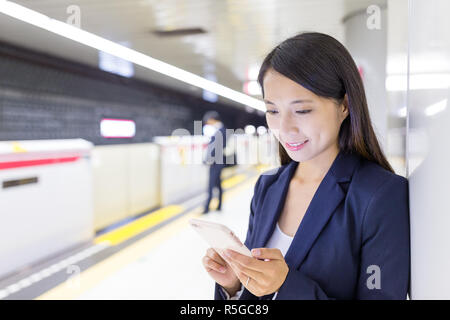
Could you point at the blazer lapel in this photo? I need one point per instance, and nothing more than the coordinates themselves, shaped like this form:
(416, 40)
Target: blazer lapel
(323, 204)
(273, 204)
(326, 199)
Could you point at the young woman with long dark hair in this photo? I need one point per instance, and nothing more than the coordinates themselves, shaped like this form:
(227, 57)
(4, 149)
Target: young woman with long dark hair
(332, 222)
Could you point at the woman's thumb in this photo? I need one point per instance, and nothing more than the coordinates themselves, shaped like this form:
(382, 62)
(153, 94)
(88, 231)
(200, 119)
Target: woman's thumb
(267, 253)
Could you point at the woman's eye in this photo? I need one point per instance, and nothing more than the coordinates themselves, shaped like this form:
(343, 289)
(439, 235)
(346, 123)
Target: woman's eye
(300, 111)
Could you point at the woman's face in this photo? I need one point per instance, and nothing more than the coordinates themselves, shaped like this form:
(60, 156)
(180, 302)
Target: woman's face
(295, 114)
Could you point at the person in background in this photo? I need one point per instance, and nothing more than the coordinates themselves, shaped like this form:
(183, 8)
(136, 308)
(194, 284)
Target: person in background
(215, 156)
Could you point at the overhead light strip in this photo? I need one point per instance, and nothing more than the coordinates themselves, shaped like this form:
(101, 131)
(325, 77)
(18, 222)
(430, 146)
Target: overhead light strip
(89, 39)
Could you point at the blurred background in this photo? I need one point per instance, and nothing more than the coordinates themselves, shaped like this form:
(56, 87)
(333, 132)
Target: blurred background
(102, 143)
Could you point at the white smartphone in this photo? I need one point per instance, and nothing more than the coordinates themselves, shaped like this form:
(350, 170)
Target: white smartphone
(219, 237)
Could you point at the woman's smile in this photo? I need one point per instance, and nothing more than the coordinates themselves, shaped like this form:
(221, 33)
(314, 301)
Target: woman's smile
(295, 146)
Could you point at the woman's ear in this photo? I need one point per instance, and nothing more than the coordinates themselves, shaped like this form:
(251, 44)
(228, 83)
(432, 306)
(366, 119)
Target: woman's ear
(344, 107)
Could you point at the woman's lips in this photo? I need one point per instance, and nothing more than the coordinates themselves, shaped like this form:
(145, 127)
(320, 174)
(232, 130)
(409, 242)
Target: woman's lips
(295, 148)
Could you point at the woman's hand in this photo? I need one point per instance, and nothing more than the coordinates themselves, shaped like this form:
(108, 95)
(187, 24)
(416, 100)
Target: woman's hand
(265, 276)
(221, 271)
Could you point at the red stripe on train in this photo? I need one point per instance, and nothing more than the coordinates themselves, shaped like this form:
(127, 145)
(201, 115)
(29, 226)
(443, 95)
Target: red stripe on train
(37, 162)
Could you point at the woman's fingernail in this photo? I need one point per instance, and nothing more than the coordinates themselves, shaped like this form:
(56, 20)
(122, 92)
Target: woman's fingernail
(256, 252)
(222, 269)
(227, 253)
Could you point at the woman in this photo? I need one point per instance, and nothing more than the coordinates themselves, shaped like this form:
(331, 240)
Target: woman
(332, 222)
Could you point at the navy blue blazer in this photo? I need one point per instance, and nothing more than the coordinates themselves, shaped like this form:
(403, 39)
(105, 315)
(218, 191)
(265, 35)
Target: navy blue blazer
(353, 236)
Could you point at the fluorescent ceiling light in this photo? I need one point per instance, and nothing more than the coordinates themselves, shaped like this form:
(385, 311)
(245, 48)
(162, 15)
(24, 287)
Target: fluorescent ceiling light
(117, 128)
(113, 64)
(252, 72)
(436, 108)
(261, 130)
(71, 32)
(252, 88)
(402, 112)
(397, 82)
(250, 129)
(209, 130)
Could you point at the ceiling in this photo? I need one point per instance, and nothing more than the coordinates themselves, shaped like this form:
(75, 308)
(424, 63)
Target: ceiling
(239, 33)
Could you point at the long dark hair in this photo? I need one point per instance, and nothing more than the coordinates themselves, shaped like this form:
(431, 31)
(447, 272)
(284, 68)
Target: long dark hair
(321, 64)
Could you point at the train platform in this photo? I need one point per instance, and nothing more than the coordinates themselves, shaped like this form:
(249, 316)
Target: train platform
(155, 256)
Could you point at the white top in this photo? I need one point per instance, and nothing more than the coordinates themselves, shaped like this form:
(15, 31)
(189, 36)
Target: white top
(278, 240)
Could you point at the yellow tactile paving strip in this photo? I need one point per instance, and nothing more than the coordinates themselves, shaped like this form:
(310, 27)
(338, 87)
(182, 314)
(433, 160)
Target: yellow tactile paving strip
(134, 228)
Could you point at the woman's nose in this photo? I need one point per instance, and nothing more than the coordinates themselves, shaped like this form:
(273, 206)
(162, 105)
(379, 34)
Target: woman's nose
(288, 126)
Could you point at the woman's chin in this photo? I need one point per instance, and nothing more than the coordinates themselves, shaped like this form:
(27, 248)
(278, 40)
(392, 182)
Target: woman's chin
(296, 156)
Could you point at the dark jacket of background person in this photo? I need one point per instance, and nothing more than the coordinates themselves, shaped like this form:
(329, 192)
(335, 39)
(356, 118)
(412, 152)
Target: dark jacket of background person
(215, 157)
(215, 146)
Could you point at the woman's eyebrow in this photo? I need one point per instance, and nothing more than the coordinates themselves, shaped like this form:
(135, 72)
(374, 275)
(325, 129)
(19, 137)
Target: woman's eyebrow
(292, 102)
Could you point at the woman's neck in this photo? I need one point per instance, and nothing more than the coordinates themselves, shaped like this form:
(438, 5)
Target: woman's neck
(315, 169)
